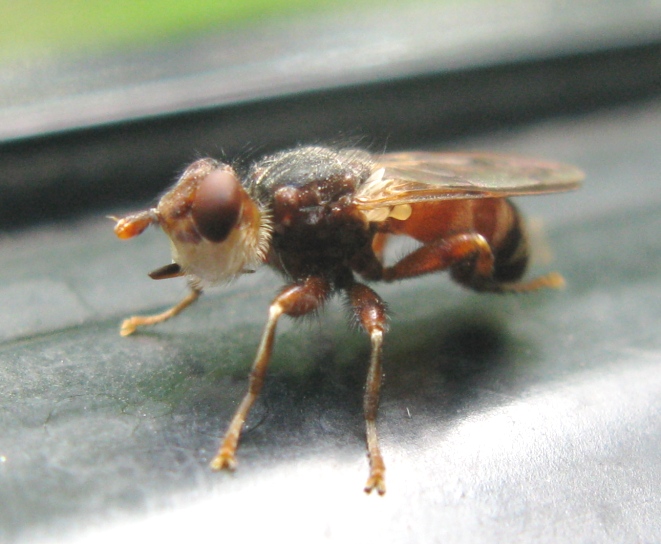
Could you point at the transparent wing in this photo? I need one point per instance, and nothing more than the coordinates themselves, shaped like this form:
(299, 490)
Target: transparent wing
(407, 178)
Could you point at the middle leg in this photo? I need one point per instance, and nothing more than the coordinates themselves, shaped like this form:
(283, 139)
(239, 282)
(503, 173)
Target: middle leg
(370, 311)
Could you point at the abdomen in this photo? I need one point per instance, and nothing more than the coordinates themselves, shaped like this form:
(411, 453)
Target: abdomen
(494, 218)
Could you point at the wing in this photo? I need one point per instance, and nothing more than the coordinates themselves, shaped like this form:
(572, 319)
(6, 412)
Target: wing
(408, 178)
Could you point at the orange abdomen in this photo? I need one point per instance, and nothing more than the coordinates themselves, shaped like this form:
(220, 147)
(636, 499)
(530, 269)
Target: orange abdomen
(494, 218)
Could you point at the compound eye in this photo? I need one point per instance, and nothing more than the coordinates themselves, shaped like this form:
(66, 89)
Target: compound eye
(217, 204)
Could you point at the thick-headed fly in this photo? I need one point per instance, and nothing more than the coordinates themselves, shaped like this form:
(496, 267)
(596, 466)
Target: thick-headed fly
(321, 217)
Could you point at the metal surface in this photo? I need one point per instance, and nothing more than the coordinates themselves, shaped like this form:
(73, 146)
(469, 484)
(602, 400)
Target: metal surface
(503, 419)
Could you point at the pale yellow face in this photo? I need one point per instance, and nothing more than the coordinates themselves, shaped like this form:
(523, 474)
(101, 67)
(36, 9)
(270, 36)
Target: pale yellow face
(216, 230)
(213, 263)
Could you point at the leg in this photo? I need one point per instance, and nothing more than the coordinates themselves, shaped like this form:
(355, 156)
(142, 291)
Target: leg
(472, 262)
(370, 311)
(132, 323)
(295, 300)
(379, 244)
(440, 255)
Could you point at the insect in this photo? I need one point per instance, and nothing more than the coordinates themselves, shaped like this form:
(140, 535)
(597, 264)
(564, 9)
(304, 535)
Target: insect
(322, 217)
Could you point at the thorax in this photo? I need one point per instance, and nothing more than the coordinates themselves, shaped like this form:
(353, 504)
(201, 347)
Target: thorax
(316, 228)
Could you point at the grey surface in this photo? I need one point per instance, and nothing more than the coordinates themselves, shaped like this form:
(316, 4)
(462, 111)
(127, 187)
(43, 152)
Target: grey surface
(503, 419)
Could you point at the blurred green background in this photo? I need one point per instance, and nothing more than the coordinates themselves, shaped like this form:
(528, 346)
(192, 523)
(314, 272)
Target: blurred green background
(43, 27)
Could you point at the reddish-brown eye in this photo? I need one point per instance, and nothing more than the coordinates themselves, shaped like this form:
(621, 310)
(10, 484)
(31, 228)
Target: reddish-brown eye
(217, 204)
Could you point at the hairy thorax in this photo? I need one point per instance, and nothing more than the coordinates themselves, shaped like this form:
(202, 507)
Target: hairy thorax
(316, 228)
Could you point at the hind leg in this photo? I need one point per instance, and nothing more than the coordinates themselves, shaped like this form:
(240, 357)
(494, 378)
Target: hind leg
(471, 261)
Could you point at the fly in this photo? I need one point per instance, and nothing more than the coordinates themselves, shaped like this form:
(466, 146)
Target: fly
(322, 218)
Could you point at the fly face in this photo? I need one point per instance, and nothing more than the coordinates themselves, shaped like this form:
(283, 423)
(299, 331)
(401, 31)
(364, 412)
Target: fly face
(216, 230)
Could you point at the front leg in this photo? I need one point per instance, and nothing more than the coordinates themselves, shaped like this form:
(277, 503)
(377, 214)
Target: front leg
(295, 300)
(132, 323)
